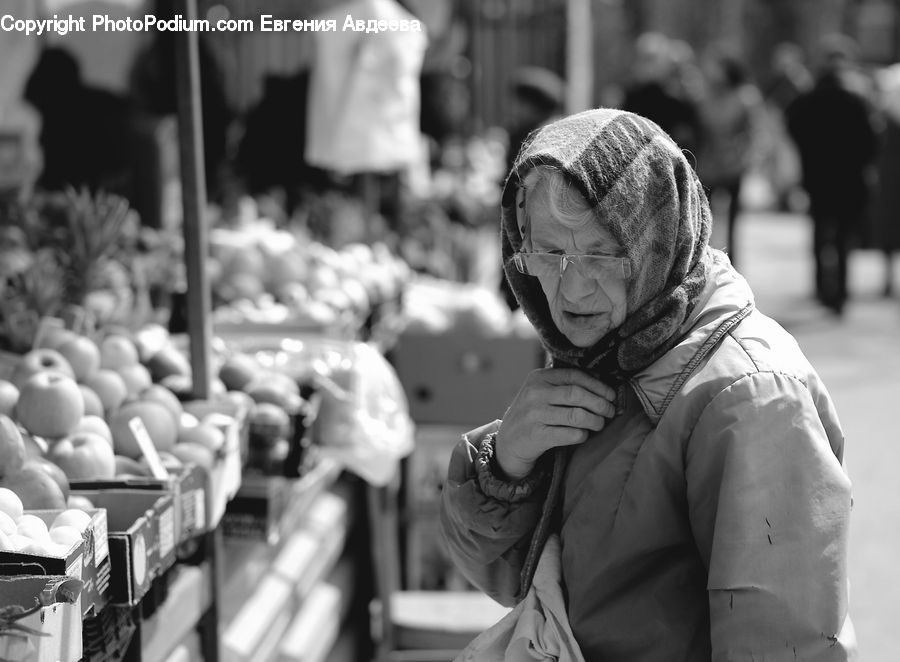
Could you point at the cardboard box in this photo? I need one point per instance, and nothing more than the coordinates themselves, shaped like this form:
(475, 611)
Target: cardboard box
(462, 378)
(141, 539)
(87, 560)
(55, 625)
(189, 490)
(267, 507)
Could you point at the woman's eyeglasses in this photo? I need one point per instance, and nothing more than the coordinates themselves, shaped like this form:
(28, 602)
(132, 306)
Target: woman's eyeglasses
(597, 267)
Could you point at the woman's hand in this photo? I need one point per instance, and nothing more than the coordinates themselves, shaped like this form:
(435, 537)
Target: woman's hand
(554, 407)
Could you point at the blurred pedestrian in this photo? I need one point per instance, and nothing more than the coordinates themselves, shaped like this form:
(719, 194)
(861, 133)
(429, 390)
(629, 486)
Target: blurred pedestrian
(832, 126)
(538, 96)
(886, 199)
(731, 115)
(656, 89)
(789, 78)
(86, 132)
(680, 445)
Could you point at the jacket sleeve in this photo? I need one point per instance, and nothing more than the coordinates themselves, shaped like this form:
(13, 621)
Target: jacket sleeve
(770, 503)
(487, 522)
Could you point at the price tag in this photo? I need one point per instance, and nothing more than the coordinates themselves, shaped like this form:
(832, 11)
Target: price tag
(166, 532)
(142, 437)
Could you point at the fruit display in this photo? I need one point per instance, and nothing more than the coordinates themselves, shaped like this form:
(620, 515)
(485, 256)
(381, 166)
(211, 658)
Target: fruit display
(70, 405)
(434, 306)
(262, 274)
(28, 533)
(84, 258)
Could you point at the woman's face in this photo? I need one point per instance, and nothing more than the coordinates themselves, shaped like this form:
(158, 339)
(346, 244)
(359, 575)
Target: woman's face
(584, 307)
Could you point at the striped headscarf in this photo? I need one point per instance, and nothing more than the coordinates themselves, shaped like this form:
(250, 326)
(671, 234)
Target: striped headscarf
(648, 196)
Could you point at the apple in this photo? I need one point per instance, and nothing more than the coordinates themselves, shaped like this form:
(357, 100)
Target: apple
(83, 355)
(51, 337)
(9, 395)
(12, 447)
(181, 385)
(33, 527)
(66, 536)
(160, 424)
(117, 351)
(79, 502)
(93, 405)
(189, 451)
(203, 434)
(269, 420)
(238, 370)
(136, 377)
(10, 504)
(168, 361)
(95, 424)
(40, 360)
(149, 339)
(110, 387)
(34, 446)
(56, 473)
(165, 397)
(187, 420)
(74, 517)
(130, 466)
(35, 487)
(84, 456)
(50, 404)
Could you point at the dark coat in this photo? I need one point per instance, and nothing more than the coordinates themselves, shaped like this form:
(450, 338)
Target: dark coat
(832, 128)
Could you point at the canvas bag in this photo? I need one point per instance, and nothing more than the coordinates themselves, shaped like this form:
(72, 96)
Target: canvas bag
(538, 627)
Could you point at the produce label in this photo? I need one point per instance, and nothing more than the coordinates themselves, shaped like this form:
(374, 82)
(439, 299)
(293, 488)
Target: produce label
(166, 532)
(200, 508)
(142, 437)
(101, 541)
(139, 562)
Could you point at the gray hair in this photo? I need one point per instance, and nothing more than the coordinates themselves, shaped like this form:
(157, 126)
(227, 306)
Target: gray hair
(567, 205)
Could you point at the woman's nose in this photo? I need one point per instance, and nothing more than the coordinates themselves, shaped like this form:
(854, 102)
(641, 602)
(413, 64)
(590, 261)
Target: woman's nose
(575, 286)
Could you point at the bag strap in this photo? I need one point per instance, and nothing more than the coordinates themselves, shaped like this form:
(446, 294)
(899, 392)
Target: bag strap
(548, 520)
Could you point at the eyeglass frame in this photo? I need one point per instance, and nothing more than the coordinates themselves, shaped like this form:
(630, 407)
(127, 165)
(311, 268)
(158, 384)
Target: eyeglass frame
(565, 258)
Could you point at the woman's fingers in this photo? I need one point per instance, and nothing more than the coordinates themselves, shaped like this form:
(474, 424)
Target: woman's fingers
(574, 395)
(575, 377)
(574, 417)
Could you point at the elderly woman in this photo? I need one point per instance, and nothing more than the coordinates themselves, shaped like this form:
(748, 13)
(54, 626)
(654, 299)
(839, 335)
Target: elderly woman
(680, 444)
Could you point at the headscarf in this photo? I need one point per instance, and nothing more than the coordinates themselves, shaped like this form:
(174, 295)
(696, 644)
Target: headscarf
(648, 197)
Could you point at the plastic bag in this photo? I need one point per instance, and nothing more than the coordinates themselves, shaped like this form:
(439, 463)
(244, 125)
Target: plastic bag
(363, 418)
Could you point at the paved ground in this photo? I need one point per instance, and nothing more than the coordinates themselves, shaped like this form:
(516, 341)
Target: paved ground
(858, 357)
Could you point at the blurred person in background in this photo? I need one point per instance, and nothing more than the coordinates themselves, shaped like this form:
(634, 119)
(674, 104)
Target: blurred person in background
(789, 78)
(85, 133)
(538, 96)
(832, 127)
(886, 202)
(656, 89)
(681, 446)
(730, 111)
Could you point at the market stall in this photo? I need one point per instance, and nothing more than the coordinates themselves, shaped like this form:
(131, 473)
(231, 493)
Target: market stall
(222, 438)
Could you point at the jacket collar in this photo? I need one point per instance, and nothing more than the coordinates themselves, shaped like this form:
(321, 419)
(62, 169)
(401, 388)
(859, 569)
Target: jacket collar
(725, 301)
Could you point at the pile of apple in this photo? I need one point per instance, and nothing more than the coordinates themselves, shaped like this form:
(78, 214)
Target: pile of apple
(65, 413)
(435, 306)
(30, 534)
(263, 275)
